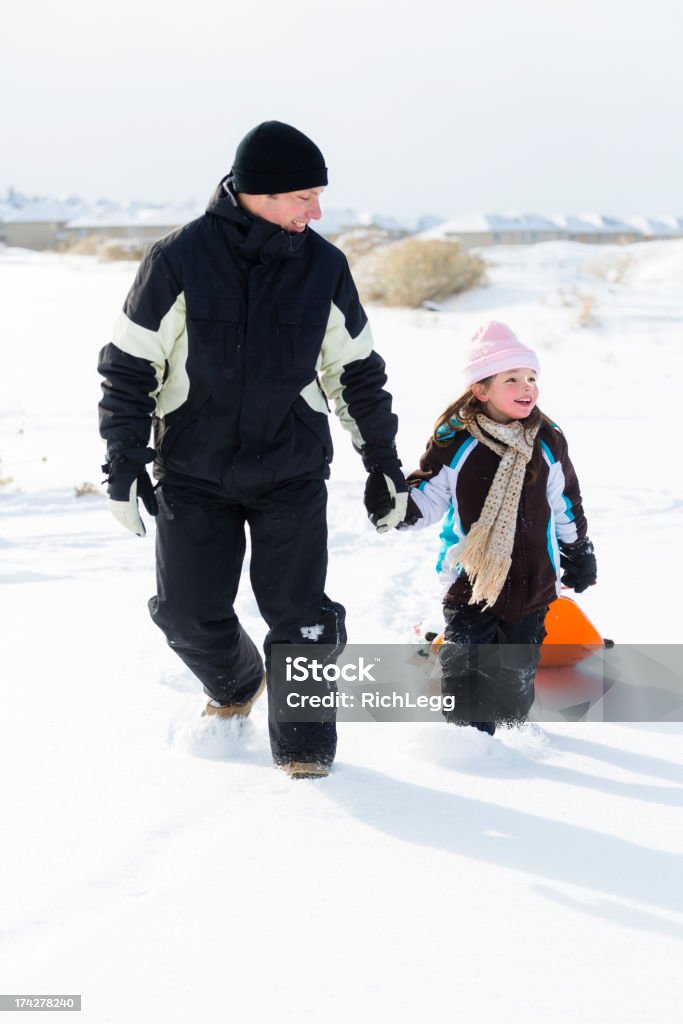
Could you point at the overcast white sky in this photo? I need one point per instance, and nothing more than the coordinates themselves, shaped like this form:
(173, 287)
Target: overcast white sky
(426, 106)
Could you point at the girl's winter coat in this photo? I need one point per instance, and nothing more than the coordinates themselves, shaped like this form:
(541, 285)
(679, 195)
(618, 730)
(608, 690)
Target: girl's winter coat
(455, 477)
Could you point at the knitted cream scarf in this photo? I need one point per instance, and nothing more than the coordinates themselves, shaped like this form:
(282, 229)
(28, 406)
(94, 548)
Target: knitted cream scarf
(487, 555)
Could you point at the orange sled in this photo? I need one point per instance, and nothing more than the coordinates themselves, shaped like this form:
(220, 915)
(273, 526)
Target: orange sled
(571, 636)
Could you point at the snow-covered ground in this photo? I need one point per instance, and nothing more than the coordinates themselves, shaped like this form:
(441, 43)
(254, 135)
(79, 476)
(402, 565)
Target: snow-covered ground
(158, 864)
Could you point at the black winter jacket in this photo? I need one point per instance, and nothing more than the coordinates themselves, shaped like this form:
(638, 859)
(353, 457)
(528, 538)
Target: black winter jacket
(232, 338)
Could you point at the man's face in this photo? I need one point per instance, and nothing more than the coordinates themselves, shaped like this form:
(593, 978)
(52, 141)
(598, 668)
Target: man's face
(293, 211)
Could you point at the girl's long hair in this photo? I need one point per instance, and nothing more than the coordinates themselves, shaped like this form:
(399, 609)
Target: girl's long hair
(462, 412)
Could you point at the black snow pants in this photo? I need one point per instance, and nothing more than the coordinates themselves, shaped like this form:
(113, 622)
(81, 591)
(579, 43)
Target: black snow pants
(488, 666)
(200, 548)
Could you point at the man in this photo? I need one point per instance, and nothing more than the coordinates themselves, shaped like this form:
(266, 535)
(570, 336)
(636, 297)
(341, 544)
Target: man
(238, 329)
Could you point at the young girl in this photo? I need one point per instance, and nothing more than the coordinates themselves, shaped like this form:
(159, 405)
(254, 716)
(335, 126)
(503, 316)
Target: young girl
(501, 471)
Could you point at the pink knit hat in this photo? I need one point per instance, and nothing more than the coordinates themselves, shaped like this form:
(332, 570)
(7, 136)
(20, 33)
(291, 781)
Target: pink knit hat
(493, 349)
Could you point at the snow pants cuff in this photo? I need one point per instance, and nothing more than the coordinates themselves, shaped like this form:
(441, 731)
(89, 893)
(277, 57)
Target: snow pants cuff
(489, 666)
(326, 638)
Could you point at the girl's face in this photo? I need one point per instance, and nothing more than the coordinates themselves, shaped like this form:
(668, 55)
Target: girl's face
(509, 396)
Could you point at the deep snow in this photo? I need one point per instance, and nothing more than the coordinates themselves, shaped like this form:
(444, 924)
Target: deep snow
(158, 864)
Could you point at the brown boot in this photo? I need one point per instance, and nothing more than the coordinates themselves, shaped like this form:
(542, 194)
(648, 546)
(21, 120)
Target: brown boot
(306, 769)
(234, 710)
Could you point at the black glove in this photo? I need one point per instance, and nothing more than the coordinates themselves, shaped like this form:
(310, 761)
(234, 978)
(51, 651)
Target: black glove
(386, 491)
(580, 567)
(376, 498)
(127, 479)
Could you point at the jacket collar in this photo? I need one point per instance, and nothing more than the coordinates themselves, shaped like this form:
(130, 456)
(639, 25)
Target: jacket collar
(256, 239)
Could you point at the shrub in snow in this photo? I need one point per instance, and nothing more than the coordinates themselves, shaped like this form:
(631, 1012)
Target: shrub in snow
(361, 241)
(124, 249)
(86, 489)
(587, 316)
(90, 245)
(613, 265)
(409, 272)
(108, 248)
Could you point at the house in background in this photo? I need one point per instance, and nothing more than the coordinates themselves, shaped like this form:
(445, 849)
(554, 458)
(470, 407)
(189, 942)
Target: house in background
(657, 228)
(137, 222)
(616, 230)
(471, 229)
(10, 204)
(484, 229)
(428, 221)
(595, 228)
(381, 222)
(41, 224)
(113, 230)
(477, 229)
(335, 222)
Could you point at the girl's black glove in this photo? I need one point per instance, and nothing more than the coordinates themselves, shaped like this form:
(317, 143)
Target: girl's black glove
(580, 567)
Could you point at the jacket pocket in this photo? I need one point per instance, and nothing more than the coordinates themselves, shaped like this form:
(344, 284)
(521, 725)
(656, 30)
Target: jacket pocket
(300, 332)
(169, 429)
(214, 325)
(317, 423)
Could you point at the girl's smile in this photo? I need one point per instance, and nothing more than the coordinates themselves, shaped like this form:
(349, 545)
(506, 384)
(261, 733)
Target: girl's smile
(510, 395)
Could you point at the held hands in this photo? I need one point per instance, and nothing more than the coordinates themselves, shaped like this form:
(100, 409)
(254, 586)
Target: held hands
(580, 567)
(127, 480)
(386, 491)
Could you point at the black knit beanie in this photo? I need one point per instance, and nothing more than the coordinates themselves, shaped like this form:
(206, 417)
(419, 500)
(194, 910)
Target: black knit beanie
(274, 157)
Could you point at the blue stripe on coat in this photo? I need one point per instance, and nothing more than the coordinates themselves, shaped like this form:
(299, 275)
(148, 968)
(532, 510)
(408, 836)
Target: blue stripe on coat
(448, 537)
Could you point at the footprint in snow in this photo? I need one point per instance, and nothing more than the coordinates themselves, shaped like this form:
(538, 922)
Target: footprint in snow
(462, 747)
(180, 679)
(217, 739)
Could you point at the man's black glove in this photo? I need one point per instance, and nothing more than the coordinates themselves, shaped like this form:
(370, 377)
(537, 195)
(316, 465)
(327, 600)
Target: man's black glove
(580, 567)
(127, 480)
(386, 491)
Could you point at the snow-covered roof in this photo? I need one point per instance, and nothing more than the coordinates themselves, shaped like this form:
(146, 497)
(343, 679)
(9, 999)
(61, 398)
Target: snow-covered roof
(674, 222)
(380, 220)
(592, 224)
(428, 221)
(659, 226)
(334, 221)
(46, 211)
(525, 221)
(12, 202)
(491, 223)
(469, 223)
(136, 215)
(337, 222)
(576, 225)
(608, 223)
